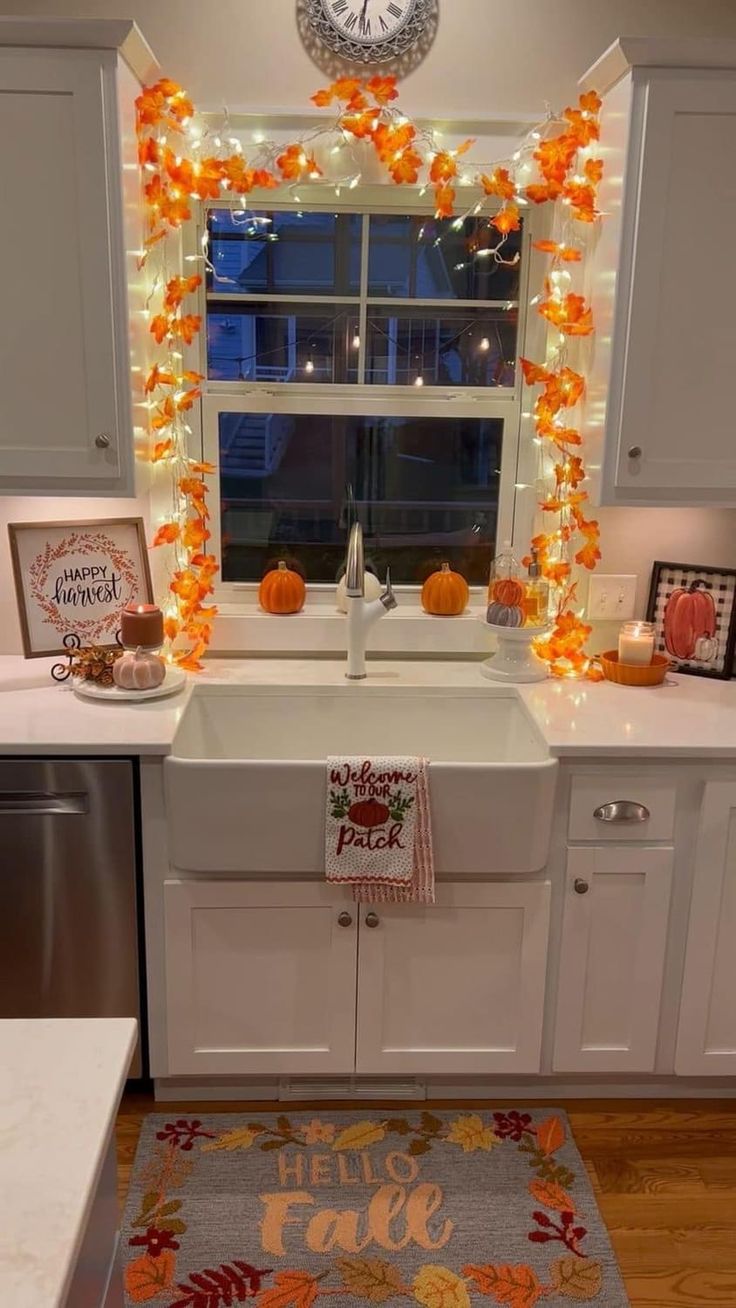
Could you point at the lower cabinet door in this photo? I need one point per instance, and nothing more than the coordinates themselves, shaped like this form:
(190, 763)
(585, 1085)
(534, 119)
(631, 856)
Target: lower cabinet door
(613, 944)
(260, 977)
(457, 986)
(706, 1038)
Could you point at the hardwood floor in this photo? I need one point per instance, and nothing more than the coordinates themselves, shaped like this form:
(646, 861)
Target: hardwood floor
(664, 1174)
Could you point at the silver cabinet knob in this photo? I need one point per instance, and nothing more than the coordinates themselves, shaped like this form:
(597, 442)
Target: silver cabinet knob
(372, 919)
(635, 451)
(580, 887)
(345, 920)
(621, 810)
(102, 441)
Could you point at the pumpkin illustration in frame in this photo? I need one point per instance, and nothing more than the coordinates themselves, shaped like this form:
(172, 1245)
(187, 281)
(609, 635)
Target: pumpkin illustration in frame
(694, 614)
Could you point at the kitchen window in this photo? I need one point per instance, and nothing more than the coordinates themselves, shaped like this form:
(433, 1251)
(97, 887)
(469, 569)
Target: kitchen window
(371, 348)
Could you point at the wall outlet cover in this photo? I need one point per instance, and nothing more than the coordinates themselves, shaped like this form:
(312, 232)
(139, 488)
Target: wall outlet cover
(611, 597)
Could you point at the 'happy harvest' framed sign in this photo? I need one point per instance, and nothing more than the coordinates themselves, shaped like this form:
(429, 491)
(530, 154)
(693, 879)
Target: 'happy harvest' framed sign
(77, 577)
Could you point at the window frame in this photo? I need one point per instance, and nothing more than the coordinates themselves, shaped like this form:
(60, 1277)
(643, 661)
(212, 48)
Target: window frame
(518, 472)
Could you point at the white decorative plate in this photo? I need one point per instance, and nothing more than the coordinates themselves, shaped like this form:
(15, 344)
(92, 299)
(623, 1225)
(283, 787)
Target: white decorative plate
(173, 681)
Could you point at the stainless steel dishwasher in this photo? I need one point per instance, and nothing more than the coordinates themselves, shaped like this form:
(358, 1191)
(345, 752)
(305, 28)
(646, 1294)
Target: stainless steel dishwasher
(68, 893)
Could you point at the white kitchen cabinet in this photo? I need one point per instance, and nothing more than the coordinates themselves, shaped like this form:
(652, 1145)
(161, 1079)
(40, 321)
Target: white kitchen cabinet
(457, 986)
(260, 977)
(612, 954)
(70, 227)
(658, 397)
(706, 1043)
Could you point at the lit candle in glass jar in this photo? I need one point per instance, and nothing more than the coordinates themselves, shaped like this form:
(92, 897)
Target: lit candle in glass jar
(142, 625)
(636, 643)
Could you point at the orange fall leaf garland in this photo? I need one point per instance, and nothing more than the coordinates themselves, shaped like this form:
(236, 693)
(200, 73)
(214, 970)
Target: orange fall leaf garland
(365, 112)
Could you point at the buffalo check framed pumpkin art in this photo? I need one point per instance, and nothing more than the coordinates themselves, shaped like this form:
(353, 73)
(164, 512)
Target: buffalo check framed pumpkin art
(77, 577)
(693, 609)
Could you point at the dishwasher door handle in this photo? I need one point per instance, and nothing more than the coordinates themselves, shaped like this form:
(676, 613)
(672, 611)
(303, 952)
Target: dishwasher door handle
(42, 803)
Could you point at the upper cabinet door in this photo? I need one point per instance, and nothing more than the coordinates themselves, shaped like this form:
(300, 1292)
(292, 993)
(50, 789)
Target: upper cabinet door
(706, 1041)
(664, 374)
(65, 423)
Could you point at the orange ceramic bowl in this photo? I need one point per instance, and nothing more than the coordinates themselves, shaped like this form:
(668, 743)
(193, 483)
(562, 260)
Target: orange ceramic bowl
(634, 674)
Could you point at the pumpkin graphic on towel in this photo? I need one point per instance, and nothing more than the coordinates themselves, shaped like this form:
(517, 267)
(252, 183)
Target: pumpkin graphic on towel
(690, 623)
(368, 813)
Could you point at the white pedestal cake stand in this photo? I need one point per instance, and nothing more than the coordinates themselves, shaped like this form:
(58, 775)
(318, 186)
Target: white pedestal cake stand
(514, 659)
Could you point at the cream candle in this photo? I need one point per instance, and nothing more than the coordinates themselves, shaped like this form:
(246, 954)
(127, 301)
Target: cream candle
(142, 625)
(636, 643)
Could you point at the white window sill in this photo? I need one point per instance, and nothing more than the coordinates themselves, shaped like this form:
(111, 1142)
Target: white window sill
(407, 630)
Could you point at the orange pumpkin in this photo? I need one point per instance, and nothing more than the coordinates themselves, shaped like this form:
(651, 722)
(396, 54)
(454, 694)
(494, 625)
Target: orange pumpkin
(445, 593)
(282, 590)
(690, 622)
(507, 591)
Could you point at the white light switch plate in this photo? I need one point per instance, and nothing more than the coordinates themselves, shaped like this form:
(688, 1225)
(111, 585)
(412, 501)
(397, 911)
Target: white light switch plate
(611, 597)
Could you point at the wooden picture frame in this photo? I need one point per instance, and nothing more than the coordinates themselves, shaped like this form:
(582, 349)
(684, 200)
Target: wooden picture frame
(76, 577)
(697, 634)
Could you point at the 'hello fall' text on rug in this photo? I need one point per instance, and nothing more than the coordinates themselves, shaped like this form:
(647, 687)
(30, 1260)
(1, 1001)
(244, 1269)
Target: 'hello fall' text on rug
(442, 1209)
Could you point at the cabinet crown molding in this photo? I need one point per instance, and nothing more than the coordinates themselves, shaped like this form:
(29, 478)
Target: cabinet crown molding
(629, 52)
(121, 34)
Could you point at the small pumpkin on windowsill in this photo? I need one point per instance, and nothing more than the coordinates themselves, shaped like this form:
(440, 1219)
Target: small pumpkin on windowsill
(282, 590)
(445, 593)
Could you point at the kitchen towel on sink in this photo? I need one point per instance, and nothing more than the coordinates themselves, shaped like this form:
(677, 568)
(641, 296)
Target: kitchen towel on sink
(378, 832)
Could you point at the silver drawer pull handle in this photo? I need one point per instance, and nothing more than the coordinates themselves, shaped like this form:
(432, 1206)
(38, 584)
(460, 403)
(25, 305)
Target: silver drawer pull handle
(42, 804)
(622, 810)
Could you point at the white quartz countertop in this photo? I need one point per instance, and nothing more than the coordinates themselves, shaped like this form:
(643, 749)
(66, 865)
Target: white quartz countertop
(60, 1083)
(687, 717)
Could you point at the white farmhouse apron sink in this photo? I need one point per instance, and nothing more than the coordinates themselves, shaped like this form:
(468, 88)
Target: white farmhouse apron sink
(245, 781)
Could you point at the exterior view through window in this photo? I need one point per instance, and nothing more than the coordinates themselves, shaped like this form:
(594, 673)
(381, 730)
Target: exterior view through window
(415, 329)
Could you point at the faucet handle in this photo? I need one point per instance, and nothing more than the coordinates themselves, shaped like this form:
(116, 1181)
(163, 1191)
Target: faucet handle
(388, 599)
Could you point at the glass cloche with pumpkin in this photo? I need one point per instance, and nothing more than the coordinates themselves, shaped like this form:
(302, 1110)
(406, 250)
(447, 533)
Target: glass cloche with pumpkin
(506, 591)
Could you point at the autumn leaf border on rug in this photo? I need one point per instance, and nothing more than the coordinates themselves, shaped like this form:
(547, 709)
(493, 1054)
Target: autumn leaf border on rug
(153, 1276)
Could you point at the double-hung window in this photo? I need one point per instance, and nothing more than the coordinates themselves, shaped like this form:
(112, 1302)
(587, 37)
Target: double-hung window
(368, 347)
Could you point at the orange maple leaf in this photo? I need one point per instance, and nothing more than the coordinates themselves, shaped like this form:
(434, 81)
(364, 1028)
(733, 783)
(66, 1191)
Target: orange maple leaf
(148, 151)
(556, 572)
(171, 628)
(593, 169)
(534, 372)
(177, 287)
(383, 89)
(195, 533)
(567, 253)
(208, 175)
(150, 107)
(158, 377)
(292, 1290)
(166, 534)
(345, 88)
(590, 102)
(202, 467)
(569, 314)
(164, 415)
(499, 183)
(444, 199)
(555, 156)
(589, 555)
(187, 326)
(539, 192)
(391, 141)
(507, 219)
(161, 450)
(583, 127)
(160, 327)
(323, 98)
(291, 162)
(443, 167)
(406, 167)
(362, 125)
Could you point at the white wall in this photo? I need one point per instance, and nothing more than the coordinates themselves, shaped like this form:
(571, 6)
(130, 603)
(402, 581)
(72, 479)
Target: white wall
(491, 59)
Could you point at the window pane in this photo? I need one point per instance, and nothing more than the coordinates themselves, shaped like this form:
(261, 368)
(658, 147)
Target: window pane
(284, 253)
(426, 490)
(425, 258)
(262, 341)
(462, 347)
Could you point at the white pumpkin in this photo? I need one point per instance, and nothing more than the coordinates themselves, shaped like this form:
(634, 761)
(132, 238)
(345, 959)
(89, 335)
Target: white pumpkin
(372, 585)
(138, 670)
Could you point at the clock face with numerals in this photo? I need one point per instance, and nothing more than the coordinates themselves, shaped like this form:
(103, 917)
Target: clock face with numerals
(368, 30)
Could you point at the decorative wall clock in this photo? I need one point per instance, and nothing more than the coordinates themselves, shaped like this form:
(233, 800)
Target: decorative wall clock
(369, 31)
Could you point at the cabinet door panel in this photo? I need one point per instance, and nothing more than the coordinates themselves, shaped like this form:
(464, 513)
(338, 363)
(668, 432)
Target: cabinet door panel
(457, 986)
(706, 1043)
(614, 937)
(260, 978)
(65, 370)
(678, 341)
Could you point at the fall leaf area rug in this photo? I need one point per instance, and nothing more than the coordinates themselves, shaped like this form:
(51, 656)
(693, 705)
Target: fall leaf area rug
(448, 1210)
